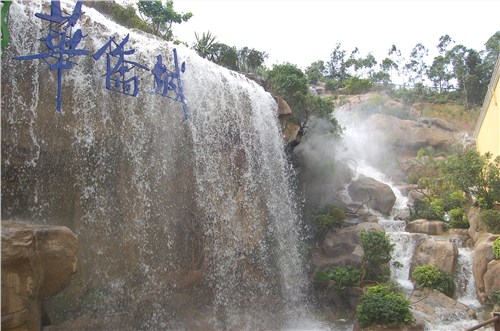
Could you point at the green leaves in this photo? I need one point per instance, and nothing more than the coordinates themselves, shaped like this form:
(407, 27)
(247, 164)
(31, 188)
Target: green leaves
(377, 249)
(382, 305)
(160, 17)
(430, 276)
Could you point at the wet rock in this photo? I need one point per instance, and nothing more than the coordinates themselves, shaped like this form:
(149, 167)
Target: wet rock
(376, 195)
(492, 277)
(440, 253)
(483, 254)
(427, 227)
(37, 262)
(430, 307)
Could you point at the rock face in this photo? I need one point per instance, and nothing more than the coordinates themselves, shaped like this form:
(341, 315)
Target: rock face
(483, 255)
(441, 253)
(409, 134)
(431, 306)
(37, 262)
(427, 227)
(492, 277)
(379, 196)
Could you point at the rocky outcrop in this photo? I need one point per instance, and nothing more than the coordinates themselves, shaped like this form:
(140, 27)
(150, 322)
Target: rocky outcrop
(483, 255)
(427, 227)
(492, 277)
(37, 262)
(441, 253)
(431, 307)
(409, 134)
(341, 247)
(376, 195)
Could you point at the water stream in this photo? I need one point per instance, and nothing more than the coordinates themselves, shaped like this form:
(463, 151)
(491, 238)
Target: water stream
(181, 224)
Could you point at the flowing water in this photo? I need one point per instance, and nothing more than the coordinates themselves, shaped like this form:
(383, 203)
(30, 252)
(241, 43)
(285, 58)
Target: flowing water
(181, 224)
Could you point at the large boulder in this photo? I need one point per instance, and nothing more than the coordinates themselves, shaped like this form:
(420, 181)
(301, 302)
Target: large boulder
(427, 227)
(376, 195)
(37, 262)
(483, 255)
(431, 307)
(492, 277)
(440, 253)
(410, 135)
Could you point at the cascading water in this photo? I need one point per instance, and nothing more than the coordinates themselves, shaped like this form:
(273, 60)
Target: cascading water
(361, 149)
(180, 224)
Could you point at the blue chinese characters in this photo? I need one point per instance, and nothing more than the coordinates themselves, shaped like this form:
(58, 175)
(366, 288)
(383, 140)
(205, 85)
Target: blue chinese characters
(62, 46)
(61, 42)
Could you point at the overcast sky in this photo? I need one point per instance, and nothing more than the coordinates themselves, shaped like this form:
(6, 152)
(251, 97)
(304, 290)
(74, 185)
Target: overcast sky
(301, 32)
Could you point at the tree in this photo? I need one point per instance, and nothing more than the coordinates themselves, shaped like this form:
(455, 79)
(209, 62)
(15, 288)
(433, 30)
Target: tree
(439, 73)
(290, 83)
(161, 17)
(377, 249)
(226, 56)
(477, 175)
(336, 67)
(315, 72)
(249, 59)
(416, 64)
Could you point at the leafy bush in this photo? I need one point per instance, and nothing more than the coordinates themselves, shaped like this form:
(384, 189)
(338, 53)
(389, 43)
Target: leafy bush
(476, 174)
(381, 305)
(422, 210)
(356, 85)
(495, 297)
(430, 276)
(490, 219)
(458, 219)
(496, 248)
(330, 219)
(377, 249)
(341, 276)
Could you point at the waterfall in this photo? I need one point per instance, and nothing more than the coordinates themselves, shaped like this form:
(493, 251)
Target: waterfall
(181, 224)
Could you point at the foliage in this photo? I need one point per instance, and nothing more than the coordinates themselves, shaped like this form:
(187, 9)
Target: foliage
(332, 218)
(458, 219)
(5, 23)
(356, 85)
(496, 248)
(430, 276)
(290, 83)
(125, 16)
(490, 219)
(315, 72)
(161, 17)
(475, 174)
(381, 305)
(495, 297)
(377, 249)
(206, 45)
(342, 277)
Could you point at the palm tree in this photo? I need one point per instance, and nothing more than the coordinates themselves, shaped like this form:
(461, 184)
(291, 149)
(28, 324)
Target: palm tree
(206, 46)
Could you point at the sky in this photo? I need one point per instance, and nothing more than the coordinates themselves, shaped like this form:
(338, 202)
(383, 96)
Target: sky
(301, 32)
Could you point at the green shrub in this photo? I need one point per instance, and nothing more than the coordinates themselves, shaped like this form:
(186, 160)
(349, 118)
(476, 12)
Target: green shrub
(356, 85)
(495, 297)
(344, 276)
(430, 276)
(490, 219)
(377, 249)
(332, 218)
(422, 210)
(458, 219)
(381, 305)
(496, 248)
